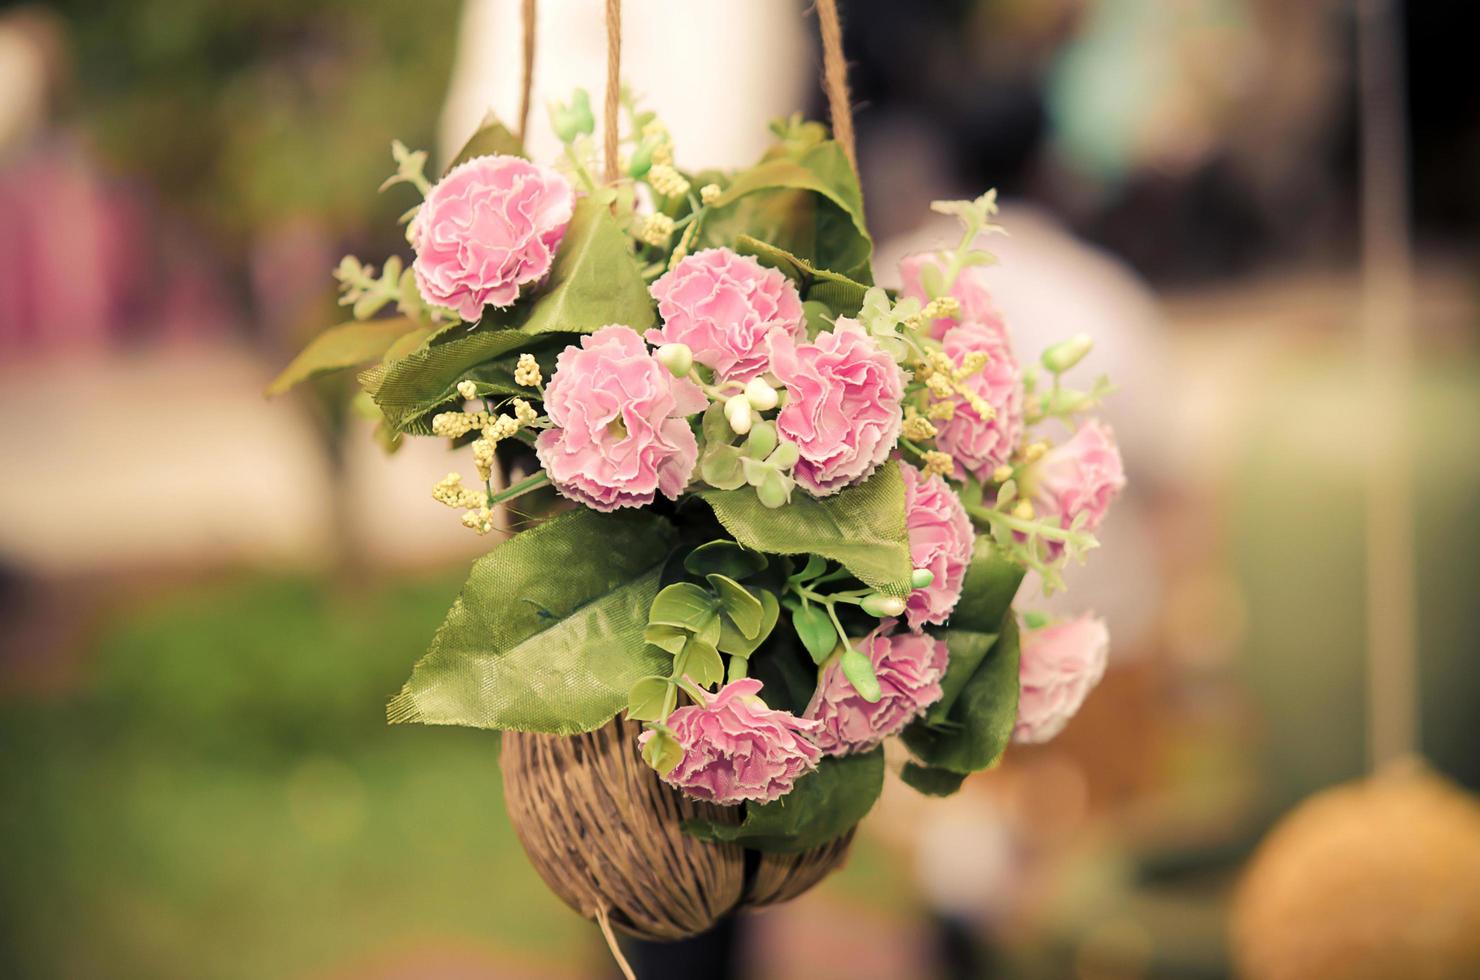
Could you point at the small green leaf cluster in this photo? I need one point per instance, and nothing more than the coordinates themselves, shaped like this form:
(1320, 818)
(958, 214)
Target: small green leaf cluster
(761, 460)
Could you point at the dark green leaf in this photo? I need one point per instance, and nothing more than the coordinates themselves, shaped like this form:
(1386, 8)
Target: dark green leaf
(987, 593)
(978, 727)
(409, 388)
(967, 650)
(739, 605)
(344, 346)
(839, 294)
(822, 806)
(862, 527)
(815, 629)
(683, 604)
(726, 558)
(931, 782)
(547, 633)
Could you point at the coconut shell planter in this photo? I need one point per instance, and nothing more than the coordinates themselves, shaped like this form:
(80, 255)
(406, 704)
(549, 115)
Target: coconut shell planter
(754, 514)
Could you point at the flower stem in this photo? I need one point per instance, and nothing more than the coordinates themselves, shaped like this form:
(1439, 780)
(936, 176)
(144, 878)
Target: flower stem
(519, 489)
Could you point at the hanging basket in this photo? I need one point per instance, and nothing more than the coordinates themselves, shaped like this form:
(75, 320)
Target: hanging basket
(605, 834)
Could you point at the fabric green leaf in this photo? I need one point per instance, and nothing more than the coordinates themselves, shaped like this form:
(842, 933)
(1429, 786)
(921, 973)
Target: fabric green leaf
(823, 805)
(929, 781)
(836, 236)
(344, 346)
(976, 731)
(595, 280)
(862, 527)
(491, 137)
(409, 388)
(547, 633)
(841, 295)
(988, 590)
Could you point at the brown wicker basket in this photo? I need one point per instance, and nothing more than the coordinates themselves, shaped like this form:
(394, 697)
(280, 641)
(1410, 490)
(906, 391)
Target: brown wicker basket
(605, 834)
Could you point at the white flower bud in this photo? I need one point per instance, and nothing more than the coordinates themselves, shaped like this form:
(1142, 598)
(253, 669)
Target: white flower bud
(762, 396)
(737, 412)
(677, 358)
(467, 389)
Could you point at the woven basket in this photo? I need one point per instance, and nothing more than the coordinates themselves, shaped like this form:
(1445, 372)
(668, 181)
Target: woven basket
(605, 834)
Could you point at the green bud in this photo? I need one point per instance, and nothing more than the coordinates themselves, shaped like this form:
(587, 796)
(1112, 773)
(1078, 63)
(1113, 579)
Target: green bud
(922, 578)
(642, 158)
(785, 456)
(677, 358)
(1066, 353)
(882, 606)
(860, 674)
(762, 440)
(573, 118)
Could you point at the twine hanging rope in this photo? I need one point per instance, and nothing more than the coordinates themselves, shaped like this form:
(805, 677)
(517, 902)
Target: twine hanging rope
(613, 84)
(526, 81)
(835, 79)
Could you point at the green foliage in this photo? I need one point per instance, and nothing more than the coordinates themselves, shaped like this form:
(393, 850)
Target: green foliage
(341, 347)
(646, 699)
(862, 527)
(815, 629)
(725, 558)
(987, 592)
(547, 633)
(930, 781)
(823, 805)
(976, 731)
(491, 137)
(412, 387)
(803, 199)
(841, 295)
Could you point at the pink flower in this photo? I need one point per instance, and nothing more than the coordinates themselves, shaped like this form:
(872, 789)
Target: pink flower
(843, 405)
(909, 667)
(725, 306)
(619, 431)
(969, 289)
(1059, 665)
(941, 540)
(980, 445)
(735, 748)
(1082, 476)
(486, 229)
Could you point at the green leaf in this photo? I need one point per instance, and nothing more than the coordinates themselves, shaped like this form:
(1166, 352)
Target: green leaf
(736, 644)
(547, 633)
(931, 782)
(726, 558)
(823, 805)
(988, 590)
(978, 727)
(842, 296)
(410, 388)
(491, 137)
(662, 752)
(646, 699)
(739, 606)
(595, 280)
(862, 527)
(700, 662)
(344, 346)
(815, 629)
(836, 236)
(670, 638)
(967, 650)
(683, 604)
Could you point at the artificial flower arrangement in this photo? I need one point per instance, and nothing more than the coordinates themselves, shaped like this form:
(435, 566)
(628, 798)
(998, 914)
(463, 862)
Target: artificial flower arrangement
(768, 513)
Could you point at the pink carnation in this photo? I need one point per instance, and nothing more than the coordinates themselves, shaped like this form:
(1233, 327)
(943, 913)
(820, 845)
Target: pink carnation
(941, 541)
(842, 405)
(1059, 665)
(981, 445)
(909, 667)
(619, 433)
(735, 748)
(724, 306)
(969, 289)
(486, 229)
(1082, 476)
